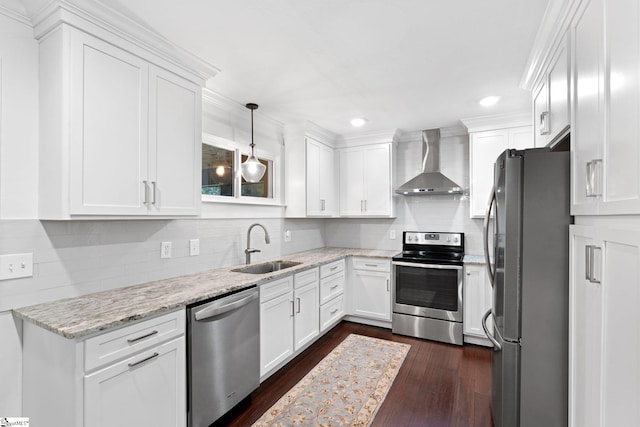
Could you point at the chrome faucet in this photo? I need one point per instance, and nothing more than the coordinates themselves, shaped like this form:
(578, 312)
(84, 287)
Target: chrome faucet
(249, 249)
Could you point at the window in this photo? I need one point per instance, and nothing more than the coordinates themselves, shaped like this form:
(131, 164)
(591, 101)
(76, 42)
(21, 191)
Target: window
(221, 178)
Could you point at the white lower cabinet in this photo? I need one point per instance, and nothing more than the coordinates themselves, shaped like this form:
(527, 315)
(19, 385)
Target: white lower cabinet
(604, 322)
(135, 375)
(332, 283)
(142, 390)
(289, 318)
(370, 288)
(477, 300)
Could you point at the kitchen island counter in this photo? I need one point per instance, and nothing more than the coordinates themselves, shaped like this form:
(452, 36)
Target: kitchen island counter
(81, 316)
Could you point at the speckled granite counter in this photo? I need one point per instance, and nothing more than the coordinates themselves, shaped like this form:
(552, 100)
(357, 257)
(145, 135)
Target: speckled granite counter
(474, 259)
(80, 316)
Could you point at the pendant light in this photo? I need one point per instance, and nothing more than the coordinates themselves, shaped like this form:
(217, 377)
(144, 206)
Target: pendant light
(252, 170)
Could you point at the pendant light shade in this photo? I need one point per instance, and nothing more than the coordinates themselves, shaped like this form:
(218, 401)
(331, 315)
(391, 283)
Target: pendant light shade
(252, 170)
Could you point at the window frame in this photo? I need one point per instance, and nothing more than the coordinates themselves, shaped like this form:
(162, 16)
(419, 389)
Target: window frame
(239, 150)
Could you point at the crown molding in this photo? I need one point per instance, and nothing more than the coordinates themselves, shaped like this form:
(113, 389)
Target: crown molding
(373, 137)
(497, 121)
(101, 20)
(15, 14)
(555, 23)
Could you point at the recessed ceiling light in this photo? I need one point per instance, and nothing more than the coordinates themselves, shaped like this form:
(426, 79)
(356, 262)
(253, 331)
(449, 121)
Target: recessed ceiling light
(489, 101)
(358, 122)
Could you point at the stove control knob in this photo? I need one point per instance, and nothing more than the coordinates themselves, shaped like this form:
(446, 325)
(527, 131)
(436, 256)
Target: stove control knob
(409, 238)
(448, 239)
(456, 240)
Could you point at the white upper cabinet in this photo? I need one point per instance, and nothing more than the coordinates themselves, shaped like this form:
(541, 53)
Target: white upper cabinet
(310, 172)
(321, 193)
(551, 99)
(120, 123)
(487, 140)
(606, 107)
(366, 181)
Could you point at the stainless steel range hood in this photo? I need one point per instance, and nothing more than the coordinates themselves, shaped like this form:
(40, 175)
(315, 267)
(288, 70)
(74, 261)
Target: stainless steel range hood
(430, 181)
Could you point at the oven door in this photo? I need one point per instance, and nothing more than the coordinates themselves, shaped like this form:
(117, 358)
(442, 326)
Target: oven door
(428, 290)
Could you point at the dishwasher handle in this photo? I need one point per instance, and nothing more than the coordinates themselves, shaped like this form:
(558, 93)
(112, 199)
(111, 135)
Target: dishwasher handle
(209, 312)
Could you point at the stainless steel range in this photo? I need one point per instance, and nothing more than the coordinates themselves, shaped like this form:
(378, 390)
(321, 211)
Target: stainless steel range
(427, 297)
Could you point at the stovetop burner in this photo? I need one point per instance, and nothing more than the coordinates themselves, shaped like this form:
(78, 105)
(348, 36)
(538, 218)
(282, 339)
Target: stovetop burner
(431, 248)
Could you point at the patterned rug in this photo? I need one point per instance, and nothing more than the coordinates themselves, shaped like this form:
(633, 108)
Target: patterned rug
(345, 389)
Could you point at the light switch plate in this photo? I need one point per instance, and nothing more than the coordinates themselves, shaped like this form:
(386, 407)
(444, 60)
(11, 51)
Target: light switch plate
(194, 247)
(392, 234)
(165, 250)
(287, 236)
(15, 266)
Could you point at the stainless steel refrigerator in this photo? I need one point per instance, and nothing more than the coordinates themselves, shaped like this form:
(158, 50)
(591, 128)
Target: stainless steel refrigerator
(530, 278)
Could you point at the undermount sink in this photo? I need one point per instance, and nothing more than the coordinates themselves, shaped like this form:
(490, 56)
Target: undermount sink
(266, 267)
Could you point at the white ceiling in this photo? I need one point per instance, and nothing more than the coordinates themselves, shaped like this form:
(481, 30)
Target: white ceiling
(407, 64)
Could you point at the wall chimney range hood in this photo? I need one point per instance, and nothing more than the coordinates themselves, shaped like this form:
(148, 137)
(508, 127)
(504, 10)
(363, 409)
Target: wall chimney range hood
(430, 181)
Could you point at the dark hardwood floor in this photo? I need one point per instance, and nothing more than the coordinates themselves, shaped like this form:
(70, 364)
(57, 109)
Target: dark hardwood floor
(439, 385)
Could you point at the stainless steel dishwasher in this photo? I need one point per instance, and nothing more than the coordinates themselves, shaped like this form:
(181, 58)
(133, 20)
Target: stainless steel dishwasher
(223, 353)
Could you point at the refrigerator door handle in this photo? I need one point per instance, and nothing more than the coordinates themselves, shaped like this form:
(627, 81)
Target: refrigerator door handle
(496, 344)
(487, 218)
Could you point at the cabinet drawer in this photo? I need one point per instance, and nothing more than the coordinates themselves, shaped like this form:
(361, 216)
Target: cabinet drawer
(371, 264)
(305, 278)
(111, 346)
(331, 268)
(331, 313)
(331, 286)
(274, 289)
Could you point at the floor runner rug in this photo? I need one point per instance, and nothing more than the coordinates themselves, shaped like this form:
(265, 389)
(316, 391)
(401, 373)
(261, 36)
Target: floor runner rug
(345, 389)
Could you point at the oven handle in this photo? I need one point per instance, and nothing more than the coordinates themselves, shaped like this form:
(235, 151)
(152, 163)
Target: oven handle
(490, 271)
(496, 344)
(418, 265)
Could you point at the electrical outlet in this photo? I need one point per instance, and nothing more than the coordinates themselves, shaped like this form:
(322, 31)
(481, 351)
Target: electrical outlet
(15, 266)
(165, 250)
(287, 236)
(194, 247)
(392, 234)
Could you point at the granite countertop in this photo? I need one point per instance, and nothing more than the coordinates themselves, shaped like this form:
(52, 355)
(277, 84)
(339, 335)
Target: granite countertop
(77, 317)
(474, 259)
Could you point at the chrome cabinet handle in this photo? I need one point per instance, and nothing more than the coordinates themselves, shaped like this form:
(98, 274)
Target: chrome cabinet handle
(487, 218)
(590, 256)
(146, 192)
(293, 312)
(153, 192)
(298, 300)
(333, 268)
(150, 334)
(387, 285)
(334, 311)
(593, 183)
(146, 359)
(496, 344)
(544, 123)
(333, 287)
(322, 204)
(371, 265)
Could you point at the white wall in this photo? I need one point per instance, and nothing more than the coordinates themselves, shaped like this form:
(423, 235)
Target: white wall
(419, 213)
(18, 119)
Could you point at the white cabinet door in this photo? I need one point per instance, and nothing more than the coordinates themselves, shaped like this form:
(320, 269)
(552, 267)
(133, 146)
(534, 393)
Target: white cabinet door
(587, 130)
(541, 114)
(520, 138)
(558, 120)
(477, 297)
(148, 389)
(377, 180)
(108, 148)
(365, 181)
(370, 295)
(175, 143)
(351, 182)
(276, 331)
(621, 152)
(320, 179)
(485, 148)
(307, 315)
(604, 374)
